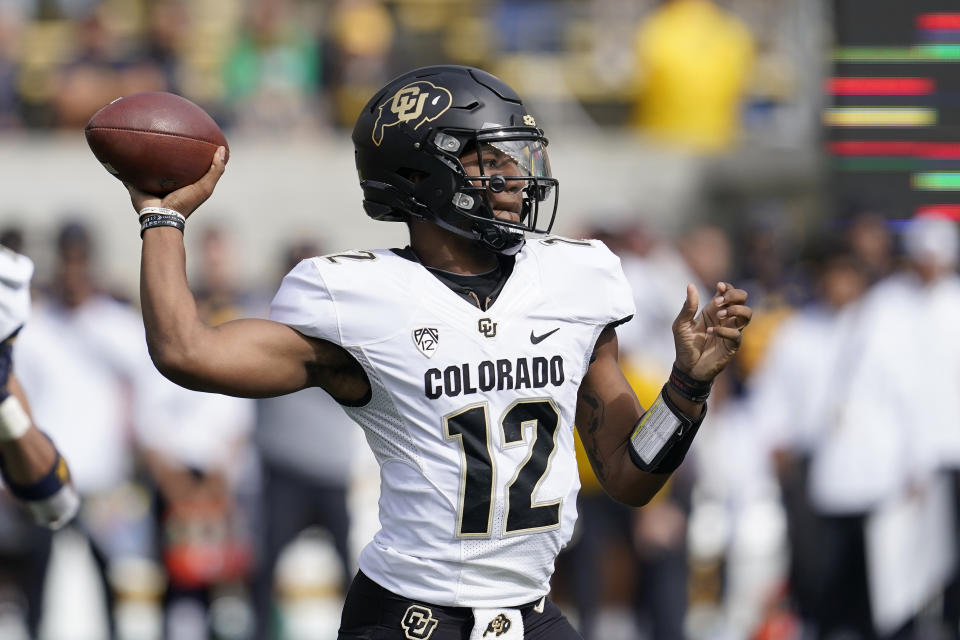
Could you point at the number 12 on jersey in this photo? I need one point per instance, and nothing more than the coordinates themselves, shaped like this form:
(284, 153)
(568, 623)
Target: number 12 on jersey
(471, 428)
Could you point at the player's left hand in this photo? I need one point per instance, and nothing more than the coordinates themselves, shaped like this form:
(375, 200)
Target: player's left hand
(705, 343)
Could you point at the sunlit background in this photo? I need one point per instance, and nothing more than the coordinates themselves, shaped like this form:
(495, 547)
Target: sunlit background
(789, 146)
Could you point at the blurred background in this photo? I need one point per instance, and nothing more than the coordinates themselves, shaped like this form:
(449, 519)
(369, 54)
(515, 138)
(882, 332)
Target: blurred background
(807, 150)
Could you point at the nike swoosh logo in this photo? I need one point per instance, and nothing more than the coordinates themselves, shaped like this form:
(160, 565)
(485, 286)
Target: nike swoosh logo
(538, 339)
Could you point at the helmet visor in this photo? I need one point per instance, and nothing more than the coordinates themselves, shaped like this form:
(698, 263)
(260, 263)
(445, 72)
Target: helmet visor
(530, 156)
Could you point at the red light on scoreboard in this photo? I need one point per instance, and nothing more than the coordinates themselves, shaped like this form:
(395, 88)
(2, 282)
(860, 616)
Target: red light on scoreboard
(932, 150)
(907, 86)
(938, 21)
(949, 211)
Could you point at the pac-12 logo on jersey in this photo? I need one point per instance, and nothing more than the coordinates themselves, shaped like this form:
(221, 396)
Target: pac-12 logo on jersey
(418, 623)
(426, 339)
(419, 101)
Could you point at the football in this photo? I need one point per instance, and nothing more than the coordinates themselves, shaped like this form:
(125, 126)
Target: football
(156, 141)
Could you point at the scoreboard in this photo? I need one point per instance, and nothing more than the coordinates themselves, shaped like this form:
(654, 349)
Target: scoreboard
(892, 118)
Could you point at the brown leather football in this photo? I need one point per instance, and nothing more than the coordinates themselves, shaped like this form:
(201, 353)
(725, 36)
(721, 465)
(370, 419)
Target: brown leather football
(156, 141)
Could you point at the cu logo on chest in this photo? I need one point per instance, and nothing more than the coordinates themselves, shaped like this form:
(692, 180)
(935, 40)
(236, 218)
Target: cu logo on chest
(487, 327)
(418, 623)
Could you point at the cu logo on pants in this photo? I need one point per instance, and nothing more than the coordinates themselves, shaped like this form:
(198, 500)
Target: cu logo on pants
(487, 327)
(418, 623)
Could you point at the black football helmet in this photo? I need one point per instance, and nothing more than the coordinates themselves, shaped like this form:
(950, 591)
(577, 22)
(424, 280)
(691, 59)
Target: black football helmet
(414, 136)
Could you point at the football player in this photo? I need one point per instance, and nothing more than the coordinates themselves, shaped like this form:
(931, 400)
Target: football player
(30, 465)
(466, 357)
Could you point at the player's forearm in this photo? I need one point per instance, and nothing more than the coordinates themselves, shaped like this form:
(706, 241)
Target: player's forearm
(31, 466)
(169, 310)
(605, 426)
(28, 458)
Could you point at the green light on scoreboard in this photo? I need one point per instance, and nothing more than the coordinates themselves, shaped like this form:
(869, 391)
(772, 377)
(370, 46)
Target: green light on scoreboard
(917, 53)
(936, 181)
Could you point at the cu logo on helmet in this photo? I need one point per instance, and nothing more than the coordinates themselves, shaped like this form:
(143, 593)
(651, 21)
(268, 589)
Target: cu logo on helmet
(417, 102)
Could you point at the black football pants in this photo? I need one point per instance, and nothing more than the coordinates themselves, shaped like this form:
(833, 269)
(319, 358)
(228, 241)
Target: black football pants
(373, 613)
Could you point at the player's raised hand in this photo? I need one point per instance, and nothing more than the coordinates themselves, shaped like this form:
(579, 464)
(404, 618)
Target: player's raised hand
(186, 199)
(705, 343)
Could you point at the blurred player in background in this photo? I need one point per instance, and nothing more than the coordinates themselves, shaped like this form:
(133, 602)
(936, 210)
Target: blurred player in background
(304, 485)
(466, 357)
(83, 361)
(31, 467)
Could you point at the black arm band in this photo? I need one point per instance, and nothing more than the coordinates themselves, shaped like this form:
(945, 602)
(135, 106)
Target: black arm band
(674, 450)
(45, 487)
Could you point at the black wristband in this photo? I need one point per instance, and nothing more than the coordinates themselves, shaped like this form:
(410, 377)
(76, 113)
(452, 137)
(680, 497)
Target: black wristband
(690, 388)
(48, 485)
(160, 220)
(673, 452)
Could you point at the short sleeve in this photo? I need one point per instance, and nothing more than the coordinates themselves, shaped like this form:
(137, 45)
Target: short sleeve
(584, 279)
(304, 303)
(618, 292)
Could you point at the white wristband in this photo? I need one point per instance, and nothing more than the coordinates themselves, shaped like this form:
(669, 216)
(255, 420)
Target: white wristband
(146, 211)
(14, 421)
(57, 510)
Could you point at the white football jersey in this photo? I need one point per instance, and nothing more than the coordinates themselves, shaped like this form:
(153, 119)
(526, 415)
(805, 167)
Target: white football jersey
(471, 417)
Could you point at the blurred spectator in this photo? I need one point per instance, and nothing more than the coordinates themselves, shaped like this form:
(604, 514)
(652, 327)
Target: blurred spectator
(872, 243)
(273, 72)
(656, 270)
(768, 269)
(693, 60)
(660, 538)
(202, 466)
(660, 528)
(843, 443)
(83, 360)
(920, 303)
(216, 282)
(738, 530)
(163, 40)
(11, 34)
(706, 250)
(360, 35)
(512, 20)
(308, 447)
(603, 526)
(794, 362)
(102, 68)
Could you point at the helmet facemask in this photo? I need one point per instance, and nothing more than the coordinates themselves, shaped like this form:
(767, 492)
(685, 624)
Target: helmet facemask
(503, 169)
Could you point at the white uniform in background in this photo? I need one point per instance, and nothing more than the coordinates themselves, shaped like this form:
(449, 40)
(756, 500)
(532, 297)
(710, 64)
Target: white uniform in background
(89, 379)
(203, 431)
(471, 415)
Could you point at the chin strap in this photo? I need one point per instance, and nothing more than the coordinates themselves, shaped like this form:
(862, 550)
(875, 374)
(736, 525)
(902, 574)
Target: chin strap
(500, 240)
